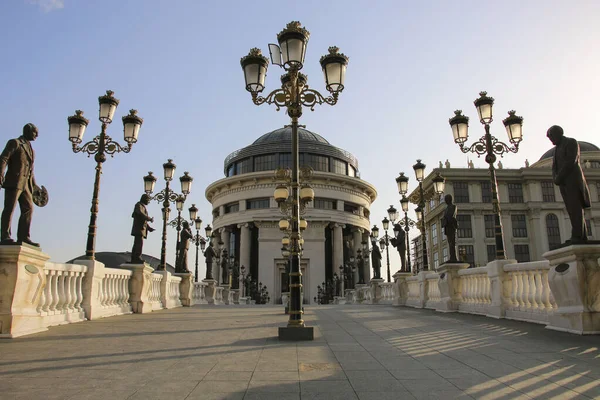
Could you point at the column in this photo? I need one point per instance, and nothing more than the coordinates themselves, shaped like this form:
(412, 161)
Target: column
(338, 247)
(225, 238)
(244, 249)
(357, 239)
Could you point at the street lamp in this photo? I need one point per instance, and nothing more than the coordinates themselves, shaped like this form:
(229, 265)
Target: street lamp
(293, 94)
(198, 240)
(176, 223)
(490, 146)
(408, 225)
(438, 188)
(385, 241)
(167, 196)
(100, 146)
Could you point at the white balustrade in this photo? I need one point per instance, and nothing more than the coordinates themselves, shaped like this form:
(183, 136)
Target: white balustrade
(414, 291)
(530, 296)
(433, 290)
(154, 295)
(173, 294)
(475, 289)
(114, 292)
(198, 293)
(387, 293)
(61, 298)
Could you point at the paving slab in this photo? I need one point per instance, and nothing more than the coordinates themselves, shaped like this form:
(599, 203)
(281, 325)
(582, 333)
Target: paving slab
(364, 352)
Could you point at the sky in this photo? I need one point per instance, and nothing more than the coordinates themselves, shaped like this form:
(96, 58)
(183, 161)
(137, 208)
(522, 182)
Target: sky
(177, 62)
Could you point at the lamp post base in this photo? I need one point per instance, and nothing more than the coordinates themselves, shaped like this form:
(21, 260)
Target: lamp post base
(296, 333)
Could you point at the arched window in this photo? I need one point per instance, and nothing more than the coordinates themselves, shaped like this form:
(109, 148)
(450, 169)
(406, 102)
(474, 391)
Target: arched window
(553, 231)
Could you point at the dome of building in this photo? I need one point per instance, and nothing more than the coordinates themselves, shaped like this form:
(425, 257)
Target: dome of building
(583, 147)
(114, 259)
(273, 150)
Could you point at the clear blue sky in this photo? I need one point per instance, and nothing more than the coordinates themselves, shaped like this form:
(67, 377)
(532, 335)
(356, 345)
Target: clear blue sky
(411, 65)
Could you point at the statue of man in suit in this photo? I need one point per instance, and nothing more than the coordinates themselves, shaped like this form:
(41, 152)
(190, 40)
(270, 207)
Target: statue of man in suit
(209, 255)
(567, 174)
(399, 242)
(140, 228)
(450, 225)
(376, 260)
(184, 245)
(18, 183)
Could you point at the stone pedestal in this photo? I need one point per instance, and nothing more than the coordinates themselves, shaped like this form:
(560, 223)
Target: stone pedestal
(139, 287)
(22, 281)
(500, 288)
(400, 288)
(210, 290)
(375, 290)
(235, 296)
(91, 288)
(296, 333)
(226, 295)
(449, 285)
(186, 288)
(244, 300)
(574, 279)
(339, 300)
(360, 298)
(348, 293)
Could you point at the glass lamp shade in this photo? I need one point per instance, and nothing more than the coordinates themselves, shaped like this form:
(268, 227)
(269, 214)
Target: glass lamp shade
(285, 240)
(202, 244)
(404, 203)
(460, 127)
(292, 42)
(402, 182)
(385, 223)
(514, 127)
(439, 183)
(381, 243)
(419, 168)
(392, 213)
(198, 223)
(186, 183)
(193, 212)
(149, 182)
(108, 106)
(131, 126)
(255, 70)
(397, 229)
(419, 213)
(179, 203)
(285, 252)
(284, 224)
(303, 224)
(77, 125)
(221, 246)
(334, 69)
(281, 193)
(375, 231)
(208, 231)
(169, 169)
(351, 258)
(301, 241)
(484, 106)
(307, 194)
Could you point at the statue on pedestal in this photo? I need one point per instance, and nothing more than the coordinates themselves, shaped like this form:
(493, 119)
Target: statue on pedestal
(399, 242)
(209, 255)
(450, 225)
(140, 228)
(19, 186)
(224, 270)
(568, 176)
(184, 245)
(376, 261)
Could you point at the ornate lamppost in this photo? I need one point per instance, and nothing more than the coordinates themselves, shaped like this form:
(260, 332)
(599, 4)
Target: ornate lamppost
(176, 223)
(166, 196)
(438, 188)
(198, 240)
(294, 94)
(408, 225)
(490, 146)
(100, 146)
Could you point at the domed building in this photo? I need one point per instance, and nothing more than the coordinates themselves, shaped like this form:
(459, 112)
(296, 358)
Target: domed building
(246, 215)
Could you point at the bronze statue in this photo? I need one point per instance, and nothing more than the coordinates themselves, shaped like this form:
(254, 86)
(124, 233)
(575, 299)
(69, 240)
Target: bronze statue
(19, 185)
(184, 245)
(224, 269)
(376, 261)
(567, 174)
(399, 242)
(140, 228)
(209, 255)
(450, 225)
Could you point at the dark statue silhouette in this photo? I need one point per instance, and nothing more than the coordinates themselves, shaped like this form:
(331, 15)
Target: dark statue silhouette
(140, 228)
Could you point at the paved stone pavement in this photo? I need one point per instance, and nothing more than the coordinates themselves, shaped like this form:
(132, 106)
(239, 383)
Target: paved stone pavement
(359, 352)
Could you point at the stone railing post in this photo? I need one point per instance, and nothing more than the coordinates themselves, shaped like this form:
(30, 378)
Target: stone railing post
(226, 292)
(139, 287)
(400, 288)
(22, 281)
(92, 288)
(500, 287)
(375, 288)
(423, 288)
(210, 290)
(186, 289)
(164, 287)
(574, 279)
(449, 285)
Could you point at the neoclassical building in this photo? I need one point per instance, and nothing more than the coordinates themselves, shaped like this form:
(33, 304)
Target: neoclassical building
(534, 217)
(246, 216)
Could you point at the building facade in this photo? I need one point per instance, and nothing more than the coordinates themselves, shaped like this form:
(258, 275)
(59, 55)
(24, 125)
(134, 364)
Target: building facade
(534, 217)
(246, 215)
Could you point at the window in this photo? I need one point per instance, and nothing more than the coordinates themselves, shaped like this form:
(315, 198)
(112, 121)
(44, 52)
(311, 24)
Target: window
(490, 225)
(351, 208)
(351, 171)
(338, 166)
(264, 163)
(232, 207)
(215, 213)
(491, 252)
(257, 203)
(231, 170)
(285, 160)
(244, 166)
(519, 225)
(466, 254)
(522, 252)
(436, 259)
(318, 163)
(598, 189)
(465, 230)
(515, 193)
(588, 227)
(325, 204)
(461, 192)
(553, 231)
(434, 235)
(445, 254)
(486, 192)
(548, 191)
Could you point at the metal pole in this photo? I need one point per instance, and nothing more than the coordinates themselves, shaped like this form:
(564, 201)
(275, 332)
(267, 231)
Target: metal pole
(407, 229)
(178, 227)
(498, 231)
(100, 157)
(197, 244)
(163, 248)
(387, 253)
(423, 239)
